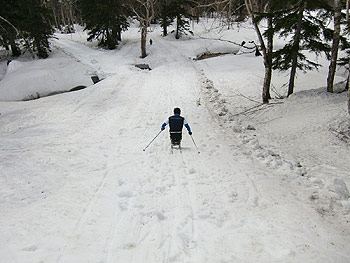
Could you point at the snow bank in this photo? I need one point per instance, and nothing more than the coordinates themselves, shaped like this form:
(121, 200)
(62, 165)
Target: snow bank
(296, 136)
(37, 78)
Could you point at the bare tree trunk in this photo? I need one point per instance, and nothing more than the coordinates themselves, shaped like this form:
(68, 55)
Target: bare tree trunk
(335, 46)
(295, 49)
(177, 35)
(165, 30)
(268, 64)
(347, 19)
(349, 101)
(15, 52)
(229, 15)
(143, 41)
(119, 34)
(144, 11)
(54, 14)
(63, 16)
(267, 54)
(71, 15)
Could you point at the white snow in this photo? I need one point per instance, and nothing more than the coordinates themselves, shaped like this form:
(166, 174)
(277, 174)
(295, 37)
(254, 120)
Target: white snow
(271, 183)
(38, 78)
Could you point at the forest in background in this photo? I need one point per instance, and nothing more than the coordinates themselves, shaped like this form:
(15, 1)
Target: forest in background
(317, 26)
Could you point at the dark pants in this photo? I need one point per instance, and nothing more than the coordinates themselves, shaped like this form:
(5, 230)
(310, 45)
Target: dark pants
(175, 138)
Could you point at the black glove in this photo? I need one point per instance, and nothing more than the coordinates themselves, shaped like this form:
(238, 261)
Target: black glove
(190, 133)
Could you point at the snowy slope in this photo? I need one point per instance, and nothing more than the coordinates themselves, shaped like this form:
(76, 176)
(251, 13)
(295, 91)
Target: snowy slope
(77, 187)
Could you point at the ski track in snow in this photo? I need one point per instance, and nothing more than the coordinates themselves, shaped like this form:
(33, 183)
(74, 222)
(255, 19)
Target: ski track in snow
(124, 205)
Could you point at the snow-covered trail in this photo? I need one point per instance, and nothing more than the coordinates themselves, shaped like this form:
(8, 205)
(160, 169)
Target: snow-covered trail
(95, 196)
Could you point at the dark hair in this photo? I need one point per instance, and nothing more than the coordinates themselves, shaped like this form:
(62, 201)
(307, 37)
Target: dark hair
(177, 111)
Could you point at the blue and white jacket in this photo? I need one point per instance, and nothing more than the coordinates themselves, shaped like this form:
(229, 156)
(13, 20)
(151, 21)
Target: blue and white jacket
(176, 122)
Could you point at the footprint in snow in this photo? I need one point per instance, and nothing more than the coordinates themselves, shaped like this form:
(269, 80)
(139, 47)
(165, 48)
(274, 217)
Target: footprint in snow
(122, 131)
(129, 246)
(121, 182)
(161, 216)
(124, 206)
(192, 171)
(127, 194)
(31, 248)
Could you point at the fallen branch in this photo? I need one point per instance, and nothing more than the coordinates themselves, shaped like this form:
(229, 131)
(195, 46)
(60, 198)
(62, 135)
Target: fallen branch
(229, 41)
(240, 94)
(256, 108)
(274, 90)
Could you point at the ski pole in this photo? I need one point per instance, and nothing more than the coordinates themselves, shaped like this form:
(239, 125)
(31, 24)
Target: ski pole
(195, 144)
(152, 140)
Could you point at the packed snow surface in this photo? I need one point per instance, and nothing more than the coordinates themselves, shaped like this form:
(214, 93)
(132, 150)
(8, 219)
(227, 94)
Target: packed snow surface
(270, 183)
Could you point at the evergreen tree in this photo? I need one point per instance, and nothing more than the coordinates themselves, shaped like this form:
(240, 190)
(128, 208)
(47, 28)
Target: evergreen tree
(165, 15)
(105, 20)
(306, 21)
(37, 26)
(27, 21)
(180, 11)
(9, 33)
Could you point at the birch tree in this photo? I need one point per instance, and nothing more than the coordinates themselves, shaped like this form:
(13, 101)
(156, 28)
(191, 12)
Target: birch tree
(143, 10)
(266, 48)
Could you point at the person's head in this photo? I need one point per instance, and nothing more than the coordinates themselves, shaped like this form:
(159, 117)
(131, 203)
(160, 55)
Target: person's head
(177, 111)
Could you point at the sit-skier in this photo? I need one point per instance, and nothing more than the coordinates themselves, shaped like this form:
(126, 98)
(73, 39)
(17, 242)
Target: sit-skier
(176, 122)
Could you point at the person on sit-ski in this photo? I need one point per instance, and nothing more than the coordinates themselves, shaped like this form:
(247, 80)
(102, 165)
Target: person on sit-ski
(176, 122)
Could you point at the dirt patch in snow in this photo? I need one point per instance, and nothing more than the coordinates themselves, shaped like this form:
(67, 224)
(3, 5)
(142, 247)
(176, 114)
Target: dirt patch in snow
(207, 55)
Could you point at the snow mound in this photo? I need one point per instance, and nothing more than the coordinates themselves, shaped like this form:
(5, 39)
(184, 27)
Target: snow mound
(340, 188)
(341, 129)
(14, 65)
(38, 78)
(251, 142)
